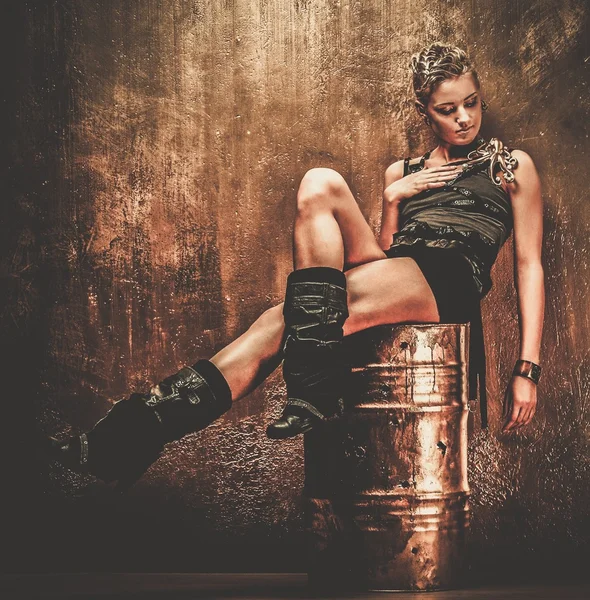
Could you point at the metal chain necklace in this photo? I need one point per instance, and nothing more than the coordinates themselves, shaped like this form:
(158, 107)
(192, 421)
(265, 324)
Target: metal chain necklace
(499, 157)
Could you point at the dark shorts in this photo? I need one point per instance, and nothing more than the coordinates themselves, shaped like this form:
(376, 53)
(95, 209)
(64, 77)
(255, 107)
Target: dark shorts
(450, 277)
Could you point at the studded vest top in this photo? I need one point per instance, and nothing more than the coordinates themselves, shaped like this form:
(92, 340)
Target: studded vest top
(469, 213)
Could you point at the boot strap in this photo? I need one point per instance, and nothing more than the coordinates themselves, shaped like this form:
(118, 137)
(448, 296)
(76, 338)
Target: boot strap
(187, 382)
(318, 295)
(313, 409)
(310, 407)
(310, 349)
(188, 401)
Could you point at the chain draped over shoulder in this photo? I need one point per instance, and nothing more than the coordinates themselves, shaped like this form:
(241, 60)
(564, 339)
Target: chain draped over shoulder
(499, 156)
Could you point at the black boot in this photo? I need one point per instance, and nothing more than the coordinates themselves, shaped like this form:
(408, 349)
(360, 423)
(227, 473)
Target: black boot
(123, 444)
(314, 367)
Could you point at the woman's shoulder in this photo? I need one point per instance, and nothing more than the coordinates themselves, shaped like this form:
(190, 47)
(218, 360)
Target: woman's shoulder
(523, 158)
(525, 192)
(394, 172)
(524, 169)
(402, 167)
(506, 164)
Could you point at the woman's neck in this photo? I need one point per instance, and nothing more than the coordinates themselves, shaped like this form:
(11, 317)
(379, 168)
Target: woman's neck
(448, 152)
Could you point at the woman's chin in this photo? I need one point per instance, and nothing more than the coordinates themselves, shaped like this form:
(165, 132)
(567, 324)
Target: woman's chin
(462, 139)
(465, 139)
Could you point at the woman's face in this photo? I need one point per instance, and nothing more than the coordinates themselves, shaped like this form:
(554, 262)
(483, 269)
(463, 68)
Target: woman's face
(454, 110)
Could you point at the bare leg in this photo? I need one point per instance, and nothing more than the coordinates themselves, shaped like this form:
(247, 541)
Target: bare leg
(252, 357)
(330, 230)
(393, 290)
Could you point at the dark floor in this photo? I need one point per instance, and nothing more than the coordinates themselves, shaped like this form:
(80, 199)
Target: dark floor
(243, 586)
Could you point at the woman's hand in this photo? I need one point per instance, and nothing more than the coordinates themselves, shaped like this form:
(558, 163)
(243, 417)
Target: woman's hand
(520, 403)
(426, 179)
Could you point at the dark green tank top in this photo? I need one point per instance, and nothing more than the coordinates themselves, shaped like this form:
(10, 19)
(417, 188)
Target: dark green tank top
(470, 213)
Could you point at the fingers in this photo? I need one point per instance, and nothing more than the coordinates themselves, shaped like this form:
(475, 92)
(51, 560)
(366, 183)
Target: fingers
(438, 176)
(515, 420)
(441, 175)
(528, 416)
(520, 417)
(505, 406)
(442, 169)
(505, 419)
(509, 409)
(525, 418)
(443, 178)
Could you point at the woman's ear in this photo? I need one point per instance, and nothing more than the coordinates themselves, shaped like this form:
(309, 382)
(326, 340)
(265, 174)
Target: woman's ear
(422, 112)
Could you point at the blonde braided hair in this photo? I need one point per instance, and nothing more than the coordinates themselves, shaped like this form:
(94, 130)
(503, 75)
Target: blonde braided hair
(435, 63)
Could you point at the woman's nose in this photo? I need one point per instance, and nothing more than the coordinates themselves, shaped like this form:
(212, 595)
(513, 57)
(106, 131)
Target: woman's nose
(462, 116)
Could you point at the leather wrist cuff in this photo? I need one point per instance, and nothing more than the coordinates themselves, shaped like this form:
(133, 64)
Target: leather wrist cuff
(528, 369)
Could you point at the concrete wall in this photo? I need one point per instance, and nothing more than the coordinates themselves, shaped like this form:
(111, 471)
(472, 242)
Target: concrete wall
(152, 156)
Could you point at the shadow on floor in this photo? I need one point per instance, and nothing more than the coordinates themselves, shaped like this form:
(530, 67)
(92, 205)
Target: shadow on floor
(244, 586)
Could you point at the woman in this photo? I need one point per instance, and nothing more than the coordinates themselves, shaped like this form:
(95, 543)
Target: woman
(447, 213)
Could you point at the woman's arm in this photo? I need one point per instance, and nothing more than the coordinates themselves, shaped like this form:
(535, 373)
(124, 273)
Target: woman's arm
(389, 215)
(527, 209)
(398, 187)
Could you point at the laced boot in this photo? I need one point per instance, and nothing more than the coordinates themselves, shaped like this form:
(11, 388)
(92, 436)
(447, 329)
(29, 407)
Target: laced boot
(314, 366)
(132, 435)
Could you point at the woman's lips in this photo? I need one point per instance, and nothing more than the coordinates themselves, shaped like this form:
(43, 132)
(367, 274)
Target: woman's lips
(464, 130)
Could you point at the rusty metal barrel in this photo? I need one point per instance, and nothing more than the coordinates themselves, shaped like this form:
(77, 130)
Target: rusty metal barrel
(386, 492)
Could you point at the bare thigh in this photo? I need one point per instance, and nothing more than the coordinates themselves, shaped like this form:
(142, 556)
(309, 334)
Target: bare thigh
(324, 188)
(393, 290)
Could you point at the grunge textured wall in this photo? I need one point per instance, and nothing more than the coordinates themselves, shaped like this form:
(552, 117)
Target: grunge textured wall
(152, 155)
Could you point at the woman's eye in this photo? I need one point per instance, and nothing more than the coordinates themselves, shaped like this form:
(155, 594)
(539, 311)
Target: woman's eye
(470, 104)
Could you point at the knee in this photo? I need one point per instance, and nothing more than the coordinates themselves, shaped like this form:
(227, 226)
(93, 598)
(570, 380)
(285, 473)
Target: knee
(271, 318)
(320, 187)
